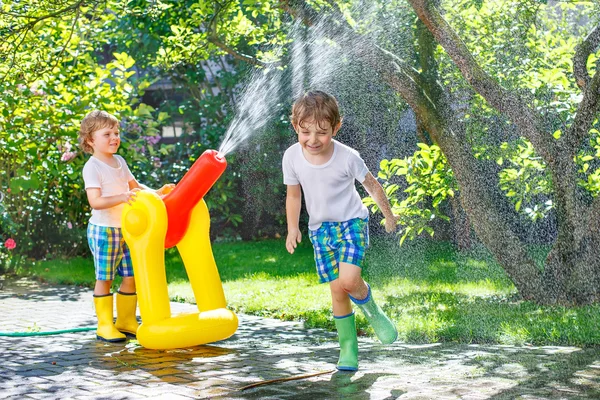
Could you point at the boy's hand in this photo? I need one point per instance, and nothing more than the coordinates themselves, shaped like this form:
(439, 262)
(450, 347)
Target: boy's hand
(391, 223)
(293, 238)
(129, 196)
(166, 189)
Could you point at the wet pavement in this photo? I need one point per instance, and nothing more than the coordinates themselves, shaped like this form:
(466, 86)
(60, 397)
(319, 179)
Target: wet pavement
(77, 366)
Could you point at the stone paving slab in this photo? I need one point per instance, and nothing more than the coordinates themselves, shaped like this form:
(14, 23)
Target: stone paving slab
(76, 366)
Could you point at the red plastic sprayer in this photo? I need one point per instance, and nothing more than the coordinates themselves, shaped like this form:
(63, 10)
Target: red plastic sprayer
(203, 174)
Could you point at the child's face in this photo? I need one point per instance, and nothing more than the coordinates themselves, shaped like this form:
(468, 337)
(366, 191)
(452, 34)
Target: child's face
(106, 141)
(316, 138)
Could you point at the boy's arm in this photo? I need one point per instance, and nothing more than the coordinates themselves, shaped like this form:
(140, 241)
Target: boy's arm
(97, 202)
(293, 202)
(376, 191)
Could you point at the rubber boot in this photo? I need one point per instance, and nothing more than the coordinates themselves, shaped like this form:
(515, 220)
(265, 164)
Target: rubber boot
(346, 328)
(384, 328)
(126, 322)
(104, 310)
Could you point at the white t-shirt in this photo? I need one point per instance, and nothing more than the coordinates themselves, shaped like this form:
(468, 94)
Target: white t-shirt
(329, 190)
(111, 181)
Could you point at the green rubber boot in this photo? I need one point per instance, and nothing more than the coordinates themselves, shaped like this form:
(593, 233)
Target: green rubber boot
(384, 328)
(346, 328)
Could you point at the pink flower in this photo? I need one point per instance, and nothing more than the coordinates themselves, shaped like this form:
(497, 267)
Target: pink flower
(10, 244)
(69, 225)
(64, 147)
(68, 155)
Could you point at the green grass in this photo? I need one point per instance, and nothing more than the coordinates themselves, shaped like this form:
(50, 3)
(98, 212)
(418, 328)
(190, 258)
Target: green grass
(432, 292)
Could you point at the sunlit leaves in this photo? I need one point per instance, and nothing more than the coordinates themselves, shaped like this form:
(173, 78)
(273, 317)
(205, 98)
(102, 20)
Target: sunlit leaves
(201, 29)
(58, 79)
(524, 45)
(429, 182)
(525, 181)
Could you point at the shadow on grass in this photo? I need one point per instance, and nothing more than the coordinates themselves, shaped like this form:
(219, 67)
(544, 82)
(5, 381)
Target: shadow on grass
(490, 319)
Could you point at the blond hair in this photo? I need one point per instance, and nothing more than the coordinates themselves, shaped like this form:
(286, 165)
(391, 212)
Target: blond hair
(318, 106)
(92, 122)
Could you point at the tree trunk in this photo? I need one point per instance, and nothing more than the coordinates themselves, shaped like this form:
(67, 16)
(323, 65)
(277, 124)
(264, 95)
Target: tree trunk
(461, 228)
(462, 225)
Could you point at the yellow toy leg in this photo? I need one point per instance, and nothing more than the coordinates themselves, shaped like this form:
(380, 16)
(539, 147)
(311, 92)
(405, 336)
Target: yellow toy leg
(144, 225)
(196, 251)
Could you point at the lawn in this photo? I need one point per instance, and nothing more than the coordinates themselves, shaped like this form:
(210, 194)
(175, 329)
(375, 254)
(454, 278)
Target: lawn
(431, 291)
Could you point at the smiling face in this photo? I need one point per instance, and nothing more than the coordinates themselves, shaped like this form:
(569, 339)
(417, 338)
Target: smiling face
(105, 142)
(316, 138)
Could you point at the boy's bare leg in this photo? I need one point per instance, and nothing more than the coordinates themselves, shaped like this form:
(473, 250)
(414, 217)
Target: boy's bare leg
(102, 288)
(127, 285)
(351, 281)
(339, 299)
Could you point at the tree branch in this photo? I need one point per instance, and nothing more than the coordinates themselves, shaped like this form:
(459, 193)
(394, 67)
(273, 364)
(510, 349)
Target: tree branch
(586, 112)
(30, 25)
(401, 76)
(593, 216)
(54, 14)
(587, 109)
(214, 39)
(501, 99)
(582, 53)
(239, 56)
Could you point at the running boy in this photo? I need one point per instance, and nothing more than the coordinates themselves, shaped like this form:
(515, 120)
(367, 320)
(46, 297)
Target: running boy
(326, 170)
(109, 184)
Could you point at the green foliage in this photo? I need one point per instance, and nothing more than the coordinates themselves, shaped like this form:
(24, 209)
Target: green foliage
(89, 57)
(526, 182)
(183, 48)
(184, 32)
(96, 68)
(42, 105)
(8, 231)
(528, 46)
(430, 182)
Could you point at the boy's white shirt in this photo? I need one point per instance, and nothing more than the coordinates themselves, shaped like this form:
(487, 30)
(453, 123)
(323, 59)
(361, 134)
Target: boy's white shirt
(111, 181)
(329, 190)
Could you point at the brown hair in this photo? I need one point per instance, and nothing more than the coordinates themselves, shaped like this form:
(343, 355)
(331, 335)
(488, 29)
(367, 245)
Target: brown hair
(316, 105)
(92, 122)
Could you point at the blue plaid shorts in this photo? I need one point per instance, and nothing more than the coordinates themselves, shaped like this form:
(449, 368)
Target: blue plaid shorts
(111, 253)
(336, 242)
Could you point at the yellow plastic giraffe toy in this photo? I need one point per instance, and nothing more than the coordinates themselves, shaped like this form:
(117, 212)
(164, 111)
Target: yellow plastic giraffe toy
(151, 224)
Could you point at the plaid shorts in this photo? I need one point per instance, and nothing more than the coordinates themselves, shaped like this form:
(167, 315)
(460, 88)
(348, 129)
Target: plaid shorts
(111, 253)
(336, 242)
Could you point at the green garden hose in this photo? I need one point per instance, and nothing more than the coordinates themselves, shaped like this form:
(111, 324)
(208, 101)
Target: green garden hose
(47, 333)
